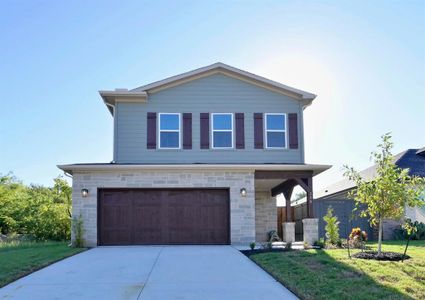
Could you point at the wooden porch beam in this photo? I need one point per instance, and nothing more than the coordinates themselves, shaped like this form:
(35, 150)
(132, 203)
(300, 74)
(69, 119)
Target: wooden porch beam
(284, 186)
(282, 174)
(304, 183)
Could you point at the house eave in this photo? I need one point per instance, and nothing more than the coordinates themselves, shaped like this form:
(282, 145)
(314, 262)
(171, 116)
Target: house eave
(72, 168)
(111, 98)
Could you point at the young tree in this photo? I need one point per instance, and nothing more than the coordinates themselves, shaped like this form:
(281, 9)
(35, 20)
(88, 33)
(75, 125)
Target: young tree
(332, 230)
(389, 192)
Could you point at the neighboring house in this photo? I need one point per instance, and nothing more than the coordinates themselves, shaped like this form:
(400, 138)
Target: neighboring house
(336, 196)
(198, 158)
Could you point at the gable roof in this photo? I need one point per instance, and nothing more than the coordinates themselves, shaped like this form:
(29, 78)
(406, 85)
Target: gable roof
(141, 93)
(412, 159)
(226, 69)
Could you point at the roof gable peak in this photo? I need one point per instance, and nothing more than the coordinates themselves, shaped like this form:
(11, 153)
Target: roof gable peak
(220, 67)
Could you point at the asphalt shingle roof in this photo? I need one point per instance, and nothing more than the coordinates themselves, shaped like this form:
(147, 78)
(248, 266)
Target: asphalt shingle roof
(412, 159)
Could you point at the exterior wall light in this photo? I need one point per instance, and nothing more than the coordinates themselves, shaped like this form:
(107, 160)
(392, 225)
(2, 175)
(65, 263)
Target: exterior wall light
(243, 192)
(84, 193)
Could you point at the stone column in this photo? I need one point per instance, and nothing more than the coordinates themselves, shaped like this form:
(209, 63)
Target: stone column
(310, 230)
(288, 232)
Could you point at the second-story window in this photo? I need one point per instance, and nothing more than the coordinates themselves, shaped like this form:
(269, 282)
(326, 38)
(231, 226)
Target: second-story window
(169, 131)
(276, 131)
(222, 130)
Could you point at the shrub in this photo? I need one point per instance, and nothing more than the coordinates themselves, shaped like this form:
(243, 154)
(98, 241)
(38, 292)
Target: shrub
(288, 245)
(78, 231)
(332, 230)
(36, 211)
(357, 238)
(252, 245)
(320, 243)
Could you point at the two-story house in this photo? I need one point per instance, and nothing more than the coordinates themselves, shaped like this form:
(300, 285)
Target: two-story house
(198, 158)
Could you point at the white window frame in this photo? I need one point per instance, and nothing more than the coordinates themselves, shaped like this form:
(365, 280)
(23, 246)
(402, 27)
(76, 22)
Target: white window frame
(276, 130)
(169, 130)
(222, 130)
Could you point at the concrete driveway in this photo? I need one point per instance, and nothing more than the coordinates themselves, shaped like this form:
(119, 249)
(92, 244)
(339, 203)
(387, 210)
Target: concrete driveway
(150, 272)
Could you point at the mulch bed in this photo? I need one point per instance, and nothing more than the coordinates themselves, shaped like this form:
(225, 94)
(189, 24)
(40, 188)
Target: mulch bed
(257, 251)
(391, 256)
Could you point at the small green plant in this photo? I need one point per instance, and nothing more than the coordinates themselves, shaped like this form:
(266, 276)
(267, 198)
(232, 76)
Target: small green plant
(411, 228)
(332, 230)
(306, 246)
(78, 230)
(320, 243)
(402, 234)
(288, 246)
(252, 245)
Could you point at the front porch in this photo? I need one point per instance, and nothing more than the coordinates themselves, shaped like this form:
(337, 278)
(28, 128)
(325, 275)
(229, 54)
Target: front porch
(293, 223)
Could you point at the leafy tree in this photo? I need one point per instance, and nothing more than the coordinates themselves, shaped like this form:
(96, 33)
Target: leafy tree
(332, 230)
(62, 192)
(389, 192)
(12, 202)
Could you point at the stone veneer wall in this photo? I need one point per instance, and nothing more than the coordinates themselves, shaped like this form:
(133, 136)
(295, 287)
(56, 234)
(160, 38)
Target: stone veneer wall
(265, 215)
(242, 209)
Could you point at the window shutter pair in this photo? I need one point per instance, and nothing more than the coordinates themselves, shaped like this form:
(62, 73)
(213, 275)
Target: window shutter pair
(239, 129)
(259, 131)
(152, 131)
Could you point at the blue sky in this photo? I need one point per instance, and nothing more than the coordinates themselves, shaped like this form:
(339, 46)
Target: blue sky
(365, 61)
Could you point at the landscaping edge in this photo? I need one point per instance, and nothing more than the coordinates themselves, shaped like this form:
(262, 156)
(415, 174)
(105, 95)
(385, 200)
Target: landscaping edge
(38, 268)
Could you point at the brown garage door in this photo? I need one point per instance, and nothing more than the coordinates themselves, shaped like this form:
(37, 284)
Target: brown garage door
(163, 216)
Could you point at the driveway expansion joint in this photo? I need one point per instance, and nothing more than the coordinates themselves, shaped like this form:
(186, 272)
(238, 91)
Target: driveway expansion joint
(150, 272)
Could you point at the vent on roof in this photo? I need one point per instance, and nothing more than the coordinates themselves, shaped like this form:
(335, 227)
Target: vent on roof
(421, 152)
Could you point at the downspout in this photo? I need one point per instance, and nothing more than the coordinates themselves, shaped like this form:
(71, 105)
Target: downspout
(113, 132)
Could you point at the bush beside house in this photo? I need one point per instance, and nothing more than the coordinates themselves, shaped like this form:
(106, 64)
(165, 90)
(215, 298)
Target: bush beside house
(36, 212)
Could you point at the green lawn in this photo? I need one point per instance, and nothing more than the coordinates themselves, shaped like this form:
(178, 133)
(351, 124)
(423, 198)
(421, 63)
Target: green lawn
(19, 259)
(330, 274)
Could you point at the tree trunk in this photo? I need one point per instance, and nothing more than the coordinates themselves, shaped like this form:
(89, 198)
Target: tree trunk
(380, 236)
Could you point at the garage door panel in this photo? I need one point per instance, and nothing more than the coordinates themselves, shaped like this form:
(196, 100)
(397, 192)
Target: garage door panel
(166, 216)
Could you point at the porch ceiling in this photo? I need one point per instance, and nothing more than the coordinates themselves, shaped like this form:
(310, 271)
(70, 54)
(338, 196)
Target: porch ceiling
(267, 184)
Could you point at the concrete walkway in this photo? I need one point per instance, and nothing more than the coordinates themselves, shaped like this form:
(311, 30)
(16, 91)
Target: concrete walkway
(150, 272)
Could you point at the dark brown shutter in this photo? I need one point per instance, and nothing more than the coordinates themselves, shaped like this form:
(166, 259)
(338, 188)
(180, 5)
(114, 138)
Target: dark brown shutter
(293, 131)
(240, 131)
(151, 131)
(258, 131)
(187, 131)
(205, 130)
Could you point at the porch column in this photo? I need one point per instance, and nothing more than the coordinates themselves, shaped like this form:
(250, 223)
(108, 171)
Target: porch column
(288, 232)
(288, 227)
(307, 185)
(288, 193)
(310, 231)
(310, 198)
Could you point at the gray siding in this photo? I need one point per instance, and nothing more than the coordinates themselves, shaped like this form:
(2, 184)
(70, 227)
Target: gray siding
(343, 209)
(215, 93)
